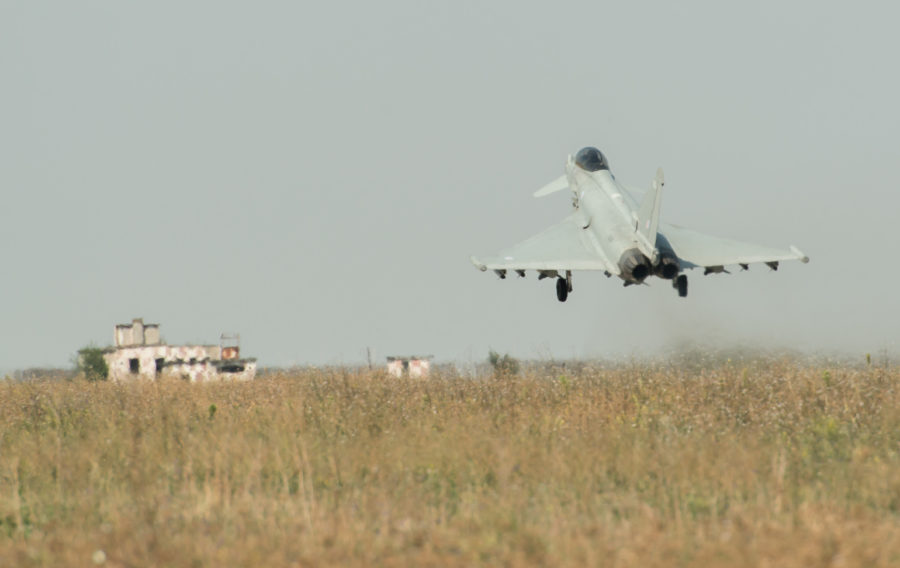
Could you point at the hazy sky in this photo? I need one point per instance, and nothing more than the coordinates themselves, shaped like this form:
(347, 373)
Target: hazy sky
(315, 176)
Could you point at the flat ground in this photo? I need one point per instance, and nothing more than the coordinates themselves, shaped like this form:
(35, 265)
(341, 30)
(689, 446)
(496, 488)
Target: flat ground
(762, 463)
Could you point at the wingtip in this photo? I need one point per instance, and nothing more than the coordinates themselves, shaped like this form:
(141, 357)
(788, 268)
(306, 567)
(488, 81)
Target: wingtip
(799, 254)
(478, 264)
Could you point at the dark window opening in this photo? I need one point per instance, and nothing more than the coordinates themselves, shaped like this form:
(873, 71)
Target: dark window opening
(159, 365)
(232, 368)
(134, 365)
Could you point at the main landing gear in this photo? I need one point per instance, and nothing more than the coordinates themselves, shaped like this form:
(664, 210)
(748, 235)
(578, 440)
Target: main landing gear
(680, 283)
(562, 290)
(564, 286)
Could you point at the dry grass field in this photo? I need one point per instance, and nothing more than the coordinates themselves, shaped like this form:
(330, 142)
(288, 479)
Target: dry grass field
(762, 463)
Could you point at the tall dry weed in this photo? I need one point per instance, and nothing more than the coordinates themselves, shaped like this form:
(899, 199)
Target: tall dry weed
(765, 462)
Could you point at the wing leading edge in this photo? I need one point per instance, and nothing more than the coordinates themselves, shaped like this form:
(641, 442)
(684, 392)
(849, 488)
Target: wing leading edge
(563, 246)
(695, 249)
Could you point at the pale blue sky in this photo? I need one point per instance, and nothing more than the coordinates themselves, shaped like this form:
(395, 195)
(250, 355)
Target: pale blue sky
(315, 176)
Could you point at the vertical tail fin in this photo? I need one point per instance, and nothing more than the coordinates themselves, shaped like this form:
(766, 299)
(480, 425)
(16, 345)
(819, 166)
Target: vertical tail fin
(648, 215)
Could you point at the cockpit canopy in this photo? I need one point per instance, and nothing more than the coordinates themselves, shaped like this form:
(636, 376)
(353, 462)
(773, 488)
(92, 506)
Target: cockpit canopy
(591, 159)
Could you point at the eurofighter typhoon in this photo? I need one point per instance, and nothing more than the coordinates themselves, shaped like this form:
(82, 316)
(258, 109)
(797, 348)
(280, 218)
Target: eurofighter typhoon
(609, 231)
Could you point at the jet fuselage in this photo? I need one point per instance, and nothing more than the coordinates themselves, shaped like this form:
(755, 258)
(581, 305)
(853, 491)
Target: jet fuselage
(608, 211)
(610, 231)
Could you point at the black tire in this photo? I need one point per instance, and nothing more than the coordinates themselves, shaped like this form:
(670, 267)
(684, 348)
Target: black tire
(681, 282)
(562, 289)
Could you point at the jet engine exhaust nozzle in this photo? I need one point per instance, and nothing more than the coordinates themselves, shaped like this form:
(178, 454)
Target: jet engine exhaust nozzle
(634, 265)
(668, 266)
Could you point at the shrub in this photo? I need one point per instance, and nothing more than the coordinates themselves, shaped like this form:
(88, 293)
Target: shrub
(92, 363)
(504, 366)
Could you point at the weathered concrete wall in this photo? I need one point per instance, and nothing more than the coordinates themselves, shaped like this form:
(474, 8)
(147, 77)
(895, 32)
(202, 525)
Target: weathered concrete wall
(151, 334)
(124, 335)
(196, 363)
(419, 368)
(136, 333)
(395, 368)
(414, 368)
(210, 371)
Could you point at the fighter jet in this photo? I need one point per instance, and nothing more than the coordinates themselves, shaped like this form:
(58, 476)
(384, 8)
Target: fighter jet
(609, 230)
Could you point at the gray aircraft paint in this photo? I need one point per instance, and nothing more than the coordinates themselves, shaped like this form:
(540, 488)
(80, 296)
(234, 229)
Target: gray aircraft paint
(620, 237)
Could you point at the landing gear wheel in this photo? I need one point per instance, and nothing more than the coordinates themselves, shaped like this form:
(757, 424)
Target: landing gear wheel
(681, 284)
(562, 289)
